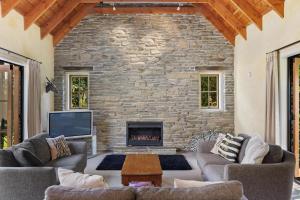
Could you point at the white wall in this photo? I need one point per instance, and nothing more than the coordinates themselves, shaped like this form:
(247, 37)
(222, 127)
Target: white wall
(250, 65)
(29, 43)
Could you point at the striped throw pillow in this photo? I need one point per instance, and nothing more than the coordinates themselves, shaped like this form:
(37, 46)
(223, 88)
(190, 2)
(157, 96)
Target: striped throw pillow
(230, 147)
(58, 147)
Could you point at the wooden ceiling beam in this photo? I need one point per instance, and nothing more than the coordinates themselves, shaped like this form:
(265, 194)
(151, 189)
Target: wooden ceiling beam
(187, 10)
(7, 6)
(37, 12)
(211, 15)
(71, 23)
(155, 1)
(223, 11)
(277, 6)
(250, 11)
(64, 11)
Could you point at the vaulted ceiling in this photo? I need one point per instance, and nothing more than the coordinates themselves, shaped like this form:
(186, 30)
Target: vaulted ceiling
(58, 17)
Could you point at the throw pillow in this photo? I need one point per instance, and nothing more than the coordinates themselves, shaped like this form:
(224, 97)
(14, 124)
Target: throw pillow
(26, 158)
(255, 152)
(220, 138)
(58, 147)
(178, 183)
(70, 178)
(230, 147)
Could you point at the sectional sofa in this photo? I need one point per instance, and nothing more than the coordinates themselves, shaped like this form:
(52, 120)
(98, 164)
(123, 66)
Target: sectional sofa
(271, 180)
(224, 191)
(30, 182)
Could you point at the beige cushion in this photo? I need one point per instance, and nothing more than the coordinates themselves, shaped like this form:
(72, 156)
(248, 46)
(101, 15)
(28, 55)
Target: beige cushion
(178, 183)
(255, 152)
(70, 178)
(58, 147)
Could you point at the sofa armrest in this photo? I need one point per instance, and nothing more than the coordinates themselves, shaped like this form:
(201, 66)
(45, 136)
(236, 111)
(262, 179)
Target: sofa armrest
(205, 146)
(25, 183)
(77, 147)
(263, 181)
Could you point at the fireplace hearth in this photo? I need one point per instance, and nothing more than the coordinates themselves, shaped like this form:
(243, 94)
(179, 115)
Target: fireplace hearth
(144, 134)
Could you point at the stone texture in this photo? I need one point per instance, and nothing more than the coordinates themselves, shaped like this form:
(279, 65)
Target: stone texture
(144, 70)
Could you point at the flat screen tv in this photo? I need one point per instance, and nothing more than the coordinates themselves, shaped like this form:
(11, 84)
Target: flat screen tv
(70, 123)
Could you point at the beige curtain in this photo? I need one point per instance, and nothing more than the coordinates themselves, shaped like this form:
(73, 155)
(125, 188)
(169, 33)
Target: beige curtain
(34, 99)
(272, 127)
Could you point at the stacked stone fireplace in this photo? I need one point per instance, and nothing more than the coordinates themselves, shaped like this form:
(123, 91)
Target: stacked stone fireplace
(144, 133)
(146, 68)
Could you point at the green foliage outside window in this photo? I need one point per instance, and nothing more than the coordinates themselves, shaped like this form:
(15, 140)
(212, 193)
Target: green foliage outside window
(79, 92)
(209, 91)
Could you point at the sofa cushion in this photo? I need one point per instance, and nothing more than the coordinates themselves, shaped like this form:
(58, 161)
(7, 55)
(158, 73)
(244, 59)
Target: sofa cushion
(69, 193)
(243, 147)
(26, 158)
(75, 162)
(226, 191)
(204, 159)
(41, 147)
(275, 154)
(7, 159)
(214, 172)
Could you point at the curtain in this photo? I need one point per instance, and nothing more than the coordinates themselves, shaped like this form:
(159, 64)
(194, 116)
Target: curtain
(272, 126)
(34, 99)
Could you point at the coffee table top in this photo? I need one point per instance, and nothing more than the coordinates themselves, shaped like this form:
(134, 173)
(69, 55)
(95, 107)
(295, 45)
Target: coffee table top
(141, 164)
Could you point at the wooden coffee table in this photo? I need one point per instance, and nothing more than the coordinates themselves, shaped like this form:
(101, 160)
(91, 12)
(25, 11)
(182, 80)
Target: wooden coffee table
(142, 167)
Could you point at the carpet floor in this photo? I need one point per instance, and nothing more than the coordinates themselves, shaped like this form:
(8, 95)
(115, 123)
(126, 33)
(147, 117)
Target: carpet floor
(167, 162)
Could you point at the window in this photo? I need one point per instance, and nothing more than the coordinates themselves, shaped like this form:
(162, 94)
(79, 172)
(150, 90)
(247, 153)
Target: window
(78, 91)
(210, 91)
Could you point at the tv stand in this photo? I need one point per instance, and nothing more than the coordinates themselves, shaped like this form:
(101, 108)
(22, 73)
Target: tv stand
(93, 137)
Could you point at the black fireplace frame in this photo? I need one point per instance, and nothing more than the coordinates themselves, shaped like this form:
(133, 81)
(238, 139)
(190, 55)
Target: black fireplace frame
(145, 124)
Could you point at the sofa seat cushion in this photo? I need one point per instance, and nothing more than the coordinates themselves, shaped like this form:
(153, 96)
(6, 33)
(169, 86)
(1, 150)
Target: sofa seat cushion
(7, 159)
(214, 172)
(70, 193)
(41, 147)
(75, 162)
(204, 159)
(275, 155)
(226, 191)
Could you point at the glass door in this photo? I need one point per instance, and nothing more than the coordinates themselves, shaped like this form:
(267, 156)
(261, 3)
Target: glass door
(10, 105)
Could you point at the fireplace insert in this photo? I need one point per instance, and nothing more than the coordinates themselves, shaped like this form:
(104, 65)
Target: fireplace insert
(144, 134)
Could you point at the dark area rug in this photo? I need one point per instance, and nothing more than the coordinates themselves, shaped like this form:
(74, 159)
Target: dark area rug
(167, 162)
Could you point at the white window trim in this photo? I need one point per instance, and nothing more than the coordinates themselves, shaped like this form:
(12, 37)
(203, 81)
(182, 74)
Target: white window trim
(67, 88)
(221, 91)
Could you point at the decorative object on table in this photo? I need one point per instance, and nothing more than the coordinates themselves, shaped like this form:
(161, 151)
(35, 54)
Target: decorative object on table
(205, 136)
(58, 147)
(167, 162)
(50, 86)
(138, 184)
(70, 178)
(256, 150)
(230, 147)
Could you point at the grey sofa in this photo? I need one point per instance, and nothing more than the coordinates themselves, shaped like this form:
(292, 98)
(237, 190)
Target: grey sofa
(29, 183)
(226, 191)
(271, 180)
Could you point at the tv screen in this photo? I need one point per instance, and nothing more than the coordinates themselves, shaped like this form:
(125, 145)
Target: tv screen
(70, 124)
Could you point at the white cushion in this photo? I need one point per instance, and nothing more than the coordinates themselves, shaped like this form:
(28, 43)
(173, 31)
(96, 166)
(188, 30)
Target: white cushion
(178, 183)
(255, 152)
(78, 180)
(220, 138)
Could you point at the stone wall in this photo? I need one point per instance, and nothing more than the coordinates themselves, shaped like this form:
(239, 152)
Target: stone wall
(144, 70)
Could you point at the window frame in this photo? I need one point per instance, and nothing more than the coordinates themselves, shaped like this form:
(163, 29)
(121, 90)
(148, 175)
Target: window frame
(220, 90)
(68, 89)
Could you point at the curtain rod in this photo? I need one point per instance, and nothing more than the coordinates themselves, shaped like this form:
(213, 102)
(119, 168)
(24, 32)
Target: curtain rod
(8, 51)
(286, 46)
